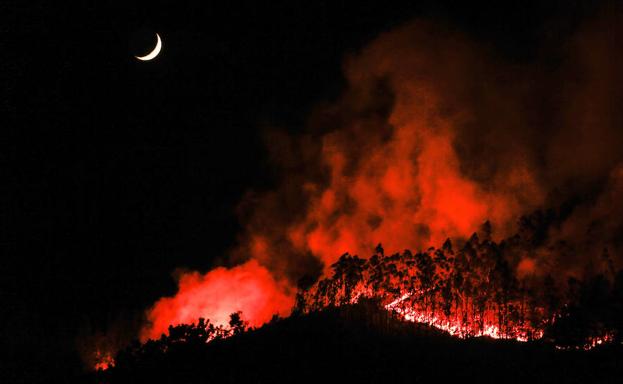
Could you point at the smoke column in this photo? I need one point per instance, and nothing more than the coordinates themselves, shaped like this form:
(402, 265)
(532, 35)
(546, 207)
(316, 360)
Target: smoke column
(433, 135)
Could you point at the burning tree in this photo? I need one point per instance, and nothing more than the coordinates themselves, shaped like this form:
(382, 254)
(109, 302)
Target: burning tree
(471, 291)
(417, 150)
(180, 340)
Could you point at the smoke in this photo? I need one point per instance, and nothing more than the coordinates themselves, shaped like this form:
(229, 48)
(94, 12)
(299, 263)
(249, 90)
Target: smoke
(433, 136)
(249, 288)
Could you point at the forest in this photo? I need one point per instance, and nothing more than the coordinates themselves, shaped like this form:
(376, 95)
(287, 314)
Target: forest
(476, 291)
(351, 343)
(408, 317)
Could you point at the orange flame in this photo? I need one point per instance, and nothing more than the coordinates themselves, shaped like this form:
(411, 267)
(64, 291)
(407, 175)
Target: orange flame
(103, 360)
(457, 328)
(428, 142)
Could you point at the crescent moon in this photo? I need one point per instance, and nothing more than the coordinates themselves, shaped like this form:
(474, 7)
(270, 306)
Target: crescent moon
(153, 53)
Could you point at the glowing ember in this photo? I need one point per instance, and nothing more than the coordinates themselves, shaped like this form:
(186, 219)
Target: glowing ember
(592, 343)
(104, 360)
(425, 145)
(597, 341)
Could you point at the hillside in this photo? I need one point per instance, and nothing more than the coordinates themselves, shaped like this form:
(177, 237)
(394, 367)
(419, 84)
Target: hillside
(358, 343)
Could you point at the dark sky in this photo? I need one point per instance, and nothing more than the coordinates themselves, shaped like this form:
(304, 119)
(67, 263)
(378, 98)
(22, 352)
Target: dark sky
(121, 171)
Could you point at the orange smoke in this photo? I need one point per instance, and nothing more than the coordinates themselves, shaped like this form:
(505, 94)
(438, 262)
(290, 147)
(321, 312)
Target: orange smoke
(406, 193)
(431, 138)
(397, 177)
(392, 177)
(249, 288)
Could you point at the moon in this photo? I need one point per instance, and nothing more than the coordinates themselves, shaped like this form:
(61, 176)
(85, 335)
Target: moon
(151, 55)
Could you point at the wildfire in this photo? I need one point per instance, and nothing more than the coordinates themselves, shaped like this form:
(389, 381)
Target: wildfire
(597, 341)
(456, 328)
(592, 343)
(470, 292)
(429, 141)
(103, 360)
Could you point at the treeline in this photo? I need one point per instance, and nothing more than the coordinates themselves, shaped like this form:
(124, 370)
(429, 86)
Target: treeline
(475, 290)
(351, 343)
(180, 340)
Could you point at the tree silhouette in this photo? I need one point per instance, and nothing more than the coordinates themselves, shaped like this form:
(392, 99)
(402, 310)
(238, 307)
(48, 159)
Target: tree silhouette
(236, 324)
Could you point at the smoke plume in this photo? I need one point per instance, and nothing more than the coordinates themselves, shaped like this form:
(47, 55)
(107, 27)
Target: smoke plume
(433, 136)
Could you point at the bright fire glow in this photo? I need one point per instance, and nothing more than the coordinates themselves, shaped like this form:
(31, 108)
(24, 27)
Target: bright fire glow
(249, 288)
(425, 144)
(592, 343)
(457, 328)
(104, 360)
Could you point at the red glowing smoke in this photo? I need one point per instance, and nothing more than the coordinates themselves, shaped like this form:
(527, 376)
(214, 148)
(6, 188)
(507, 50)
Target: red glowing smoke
(249, 288)
(432, 137)
(408, 192)
(394, 169)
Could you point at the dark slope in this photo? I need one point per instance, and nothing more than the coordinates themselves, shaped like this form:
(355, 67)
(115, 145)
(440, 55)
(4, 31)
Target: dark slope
(360, 344)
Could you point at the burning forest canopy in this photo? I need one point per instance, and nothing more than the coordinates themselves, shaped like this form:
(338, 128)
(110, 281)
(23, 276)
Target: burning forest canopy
(495, 189)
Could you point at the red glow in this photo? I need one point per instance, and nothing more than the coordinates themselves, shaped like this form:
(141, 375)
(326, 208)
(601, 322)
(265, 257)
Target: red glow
(467, 293)
(450, 151)
(103, 360)
(249, 288)
(526, 267)
(398, 181)
(592, 343)
(407, 193)
(484, 325)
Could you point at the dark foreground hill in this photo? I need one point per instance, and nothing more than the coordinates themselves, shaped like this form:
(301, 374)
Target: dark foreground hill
(359, 344)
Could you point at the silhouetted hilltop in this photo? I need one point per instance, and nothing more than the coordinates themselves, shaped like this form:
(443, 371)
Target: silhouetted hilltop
(352, 344)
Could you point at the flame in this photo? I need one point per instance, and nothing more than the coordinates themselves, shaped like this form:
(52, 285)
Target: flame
(593, 342)
(103, 360)
(470, 292)
(459, 329)
(428, 141)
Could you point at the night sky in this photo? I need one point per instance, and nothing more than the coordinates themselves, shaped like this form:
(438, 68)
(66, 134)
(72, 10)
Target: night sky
(121, 171)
